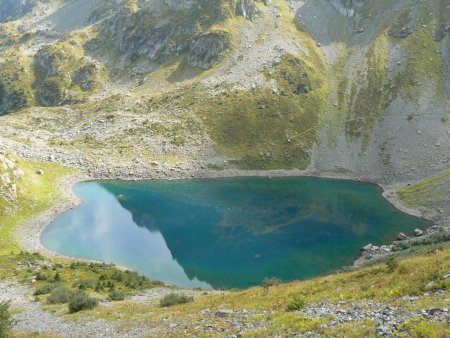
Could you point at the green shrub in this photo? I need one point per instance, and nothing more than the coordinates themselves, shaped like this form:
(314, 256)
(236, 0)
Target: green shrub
(57, 277)
(84, 284)
(46, 289)
(6, 322)
(41, 276)
(174, 299)
(117, 276)
(297, 302)
(116, 295)
(392, 264)
(60, 295)
(81, 301)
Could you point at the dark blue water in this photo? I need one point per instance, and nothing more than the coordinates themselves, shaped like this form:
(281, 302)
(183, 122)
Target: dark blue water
(227, 232)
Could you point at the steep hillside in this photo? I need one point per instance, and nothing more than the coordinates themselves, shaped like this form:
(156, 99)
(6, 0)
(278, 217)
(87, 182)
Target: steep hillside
(356, 89)
(351, 88)
(391, 100)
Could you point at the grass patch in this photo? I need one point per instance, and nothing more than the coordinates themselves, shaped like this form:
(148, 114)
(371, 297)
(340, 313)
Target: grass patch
(175, 299)
(262, 129)
(35, 193)
(426, 191)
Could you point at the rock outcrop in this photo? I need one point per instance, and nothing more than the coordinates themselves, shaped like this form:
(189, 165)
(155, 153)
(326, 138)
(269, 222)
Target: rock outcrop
(9, 175)
(248, 9)
(15, 87)
(184, 28)
(60, 70)
(208, 50)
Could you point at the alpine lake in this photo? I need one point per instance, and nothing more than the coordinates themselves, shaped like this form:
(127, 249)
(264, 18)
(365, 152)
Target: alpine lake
(228, 232)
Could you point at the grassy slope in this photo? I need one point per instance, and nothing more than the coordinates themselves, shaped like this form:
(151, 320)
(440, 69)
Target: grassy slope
(377, 284)
(35, 194)
(427, 192)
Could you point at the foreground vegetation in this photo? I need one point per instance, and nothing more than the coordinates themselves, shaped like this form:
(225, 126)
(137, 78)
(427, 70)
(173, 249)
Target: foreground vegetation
(420, 275)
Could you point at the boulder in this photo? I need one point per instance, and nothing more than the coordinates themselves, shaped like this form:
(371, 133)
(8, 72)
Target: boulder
(367, 247)
(402, 237)
(418, 233)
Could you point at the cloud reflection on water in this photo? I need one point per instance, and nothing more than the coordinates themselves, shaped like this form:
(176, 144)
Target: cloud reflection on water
(103, 230)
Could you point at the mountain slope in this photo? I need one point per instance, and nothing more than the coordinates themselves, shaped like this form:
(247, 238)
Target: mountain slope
(378, 108)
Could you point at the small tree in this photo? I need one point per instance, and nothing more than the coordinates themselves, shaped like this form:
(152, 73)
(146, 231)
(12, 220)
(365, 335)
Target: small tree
(268, 282)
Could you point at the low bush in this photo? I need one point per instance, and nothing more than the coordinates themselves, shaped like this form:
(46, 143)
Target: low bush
(40, 276)
(174, 299)
(81, 301)
(392, 264)
(84, 284)
(116, 295)
(46, 289)
(297, 303)
(57, 277)
(60, 295)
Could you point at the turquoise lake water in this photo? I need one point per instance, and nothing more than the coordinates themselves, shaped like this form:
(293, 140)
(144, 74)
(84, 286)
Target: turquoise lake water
(224, 233)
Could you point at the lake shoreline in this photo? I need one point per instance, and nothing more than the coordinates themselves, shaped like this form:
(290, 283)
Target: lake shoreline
(29, 233)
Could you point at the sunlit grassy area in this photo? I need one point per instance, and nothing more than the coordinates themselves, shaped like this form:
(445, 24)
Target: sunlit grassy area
(35, 194)
(413, 276)
(426, 191)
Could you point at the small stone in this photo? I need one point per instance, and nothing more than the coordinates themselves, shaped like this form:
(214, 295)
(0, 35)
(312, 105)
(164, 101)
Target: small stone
(40, 172)
(447, 276)
(402, 237)
(367, 247)
(385, 248)
(224, 313)
(418, 233)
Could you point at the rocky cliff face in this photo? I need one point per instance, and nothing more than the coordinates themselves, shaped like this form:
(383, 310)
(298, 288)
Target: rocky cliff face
(63, 74)
(15, 87)
(248, 9)
(208, 50)
(160, 33)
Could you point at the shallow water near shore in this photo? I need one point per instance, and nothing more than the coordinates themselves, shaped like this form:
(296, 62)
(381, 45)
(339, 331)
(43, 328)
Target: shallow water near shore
(226, 233)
